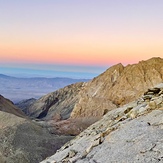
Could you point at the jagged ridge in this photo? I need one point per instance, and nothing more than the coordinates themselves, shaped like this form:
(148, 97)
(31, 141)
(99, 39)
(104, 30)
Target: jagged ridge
(117, 86)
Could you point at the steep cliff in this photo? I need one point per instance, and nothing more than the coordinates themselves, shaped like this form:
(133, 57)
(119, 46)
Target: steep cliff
(117, 86)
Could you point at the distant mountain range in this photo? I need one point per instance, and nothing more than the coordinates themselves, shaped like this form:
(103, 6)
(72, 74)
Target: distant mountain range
(17, 89)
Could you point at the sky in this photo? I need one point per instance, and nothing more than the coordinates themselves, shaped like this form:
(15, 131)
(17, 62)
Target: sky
(84, 37)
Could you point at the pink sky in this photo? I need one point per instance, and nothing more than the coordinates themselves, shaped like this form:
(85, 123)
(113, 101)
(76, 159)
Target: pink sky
(80, 32)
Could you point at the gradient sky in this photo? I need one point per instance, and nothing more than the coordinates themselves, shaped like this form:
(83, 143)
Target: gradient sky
(79, 35)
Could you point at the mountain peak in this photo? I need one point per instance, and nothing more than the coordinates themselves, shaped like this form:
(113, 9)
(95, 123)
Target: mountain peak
(117, 86)
(154, 59)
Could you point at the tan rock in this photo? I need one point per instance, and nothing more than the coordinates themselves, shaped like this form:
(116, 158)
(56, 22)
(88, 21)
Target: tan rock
(133, 114)
(152, 105)
(117, 86)
(72, 153)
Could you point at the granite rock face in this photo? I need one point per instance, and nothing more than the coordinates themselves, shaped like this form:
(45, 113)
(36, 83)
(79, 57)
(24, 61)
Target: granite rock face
(131, 133)
(57, 105)
(117, 86)
(72, 109)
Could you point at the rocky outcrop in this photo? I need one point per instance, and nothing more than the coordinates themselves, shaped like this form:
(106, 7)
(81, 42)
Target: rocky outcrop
(57, 105)
(131, 133)
(117, 86)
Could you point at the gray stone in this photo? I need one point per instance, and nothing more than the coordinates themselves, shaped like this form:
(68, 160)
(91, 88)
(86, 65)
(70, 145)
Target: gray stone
(133, 140)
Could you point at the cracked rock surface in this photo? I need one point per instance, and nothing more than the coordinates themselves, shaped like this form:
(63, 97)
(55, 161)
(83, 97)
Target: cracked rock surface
(132, 133)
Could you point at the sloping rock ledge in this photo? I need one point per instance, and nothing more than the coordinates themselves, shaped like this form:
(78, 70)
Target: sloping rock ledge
(132, 133)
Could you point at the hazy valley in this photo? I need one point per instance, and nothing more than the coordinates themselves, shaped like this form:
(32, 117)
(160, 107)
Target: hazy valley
(17, 89)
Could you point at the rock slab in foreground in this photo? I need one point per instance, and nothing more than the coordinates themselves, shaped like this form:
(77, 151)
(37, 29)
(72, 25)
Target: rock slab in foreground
(132, 133)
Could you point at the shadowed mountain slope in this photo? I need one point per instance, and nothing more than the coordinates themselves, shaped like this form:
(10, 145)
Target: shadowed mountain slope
(57, 105)
(7, 106)
(23, 140)
(25, 104)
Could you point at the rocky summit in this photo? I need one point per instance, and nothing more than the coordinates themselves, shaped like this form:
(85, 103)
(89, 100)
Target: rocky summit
(117, 86)
(131, 133)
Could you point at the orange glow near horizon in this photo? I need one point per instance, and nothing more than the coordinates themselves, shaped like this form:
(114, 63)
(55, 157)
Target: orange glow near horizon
(103, 52)
(99, 33)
